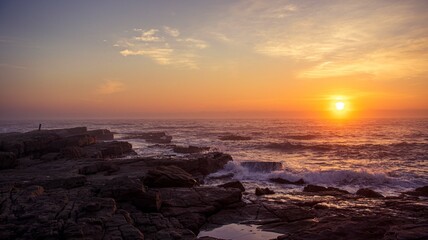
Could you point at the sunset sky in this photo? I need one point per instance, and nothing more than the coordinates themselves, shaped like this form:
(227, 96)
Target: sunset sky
(201, 58)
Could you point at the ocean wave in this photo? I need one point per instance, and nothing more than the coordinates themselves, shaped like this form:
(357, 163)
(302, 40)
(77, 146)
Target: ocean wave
(288, 146)
(334, 177)
(413, 150)
(302, 137)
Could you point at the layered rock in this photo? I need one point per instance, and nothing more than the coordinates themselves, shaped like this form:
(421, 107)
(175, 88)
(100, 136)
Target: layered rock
(63, 143)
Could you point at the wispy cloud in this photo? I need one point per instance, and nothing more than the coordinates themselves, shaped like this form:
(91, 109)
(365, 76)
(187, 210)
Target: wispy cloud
(165, 46)
(337, 38)
(110, 87)
(148, 35)
(173, 32)
(12, 66)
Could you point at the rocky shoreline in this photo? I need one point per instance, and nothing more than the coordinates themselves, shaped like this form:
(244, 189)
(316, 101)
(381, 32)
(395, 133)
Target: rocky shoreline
(80, 184)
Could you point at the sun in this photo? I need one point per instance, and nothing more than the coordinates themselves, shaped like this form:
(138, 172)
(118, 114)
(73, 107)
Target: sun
(340, 106)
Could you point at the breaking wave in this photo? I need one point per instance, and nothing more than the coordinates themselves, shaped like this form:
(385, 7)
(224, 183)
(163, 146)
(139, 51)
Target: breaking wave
(340, 178)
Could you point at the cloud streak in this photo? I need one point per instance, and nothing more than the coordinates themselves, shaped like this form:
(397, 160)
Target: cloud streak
(110, 87)
(164, 46)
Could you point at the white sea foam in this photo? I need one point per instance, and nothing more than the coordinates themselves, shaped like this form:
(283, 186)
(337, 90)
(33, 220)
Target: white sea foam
(341, 178)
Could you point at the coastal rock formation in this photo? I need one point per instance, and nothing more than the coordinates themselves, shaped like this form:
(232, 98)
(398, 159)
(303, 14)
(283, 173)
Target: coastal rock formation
(50, 196)
(63, 143)
(169, 176)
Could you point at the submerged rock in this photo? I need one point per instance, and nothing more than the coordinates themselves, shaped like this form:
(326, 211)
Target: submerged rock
(367, 192)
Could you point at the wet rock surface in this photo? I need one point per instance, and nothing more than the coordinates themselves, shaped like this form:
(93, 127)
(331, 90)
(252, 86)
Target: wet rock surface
(48, 194)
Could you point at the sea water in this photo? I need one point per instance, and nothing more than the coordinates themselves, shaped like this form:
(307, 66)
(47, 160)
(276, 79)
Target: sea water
(388, 155)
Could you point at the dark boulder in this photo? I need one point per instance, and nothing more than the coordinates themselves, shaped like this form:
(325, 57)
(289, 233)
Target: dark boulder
(368, 193)
(263, 191)
(234, 184)
(169, 176)
(420, 191)
(8, 160)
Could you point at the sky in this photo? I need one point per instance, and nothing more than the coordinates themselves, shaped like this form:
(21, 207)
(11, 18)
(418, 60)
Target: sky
(203, 58)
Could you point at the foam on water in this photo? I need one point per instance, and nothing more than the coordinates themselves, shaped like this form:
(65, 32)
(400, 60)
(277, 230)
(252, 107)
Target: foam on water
(347, 179)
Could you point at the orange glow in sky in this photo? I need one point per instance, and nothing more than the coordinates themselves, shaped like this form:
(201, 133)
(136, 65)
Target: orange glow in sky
(198, 59)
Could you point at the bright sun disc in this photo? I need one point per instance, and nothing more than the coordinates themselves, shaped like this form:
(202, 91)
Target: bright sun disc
(340, 106)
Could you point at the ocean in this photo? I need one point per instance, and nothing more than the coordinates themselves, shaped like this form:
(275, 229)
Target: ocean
(387, 155)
